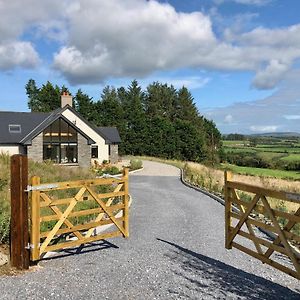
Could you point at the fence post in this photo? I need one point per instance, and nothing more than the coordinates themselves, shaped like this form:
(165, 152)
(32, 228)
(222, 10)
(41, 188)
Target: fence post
(227, 177)
(126, 202)
(19, 252)
(35, 220)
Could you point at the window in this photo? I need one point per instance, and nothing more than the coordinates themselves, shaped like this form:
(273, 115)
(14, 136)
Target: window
(60, 143)
(14, 128)
(94, 151)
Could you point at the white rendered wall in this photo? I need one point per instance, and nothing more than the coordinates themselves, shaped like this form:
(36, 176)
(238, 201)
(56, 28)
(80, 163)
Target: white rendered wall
(11, 150)
(100, 142)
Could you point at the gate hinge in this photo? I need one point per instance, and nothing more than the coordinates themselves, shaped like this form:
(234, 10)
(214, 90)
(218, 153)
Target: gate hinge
(31, 246)
(41, 187)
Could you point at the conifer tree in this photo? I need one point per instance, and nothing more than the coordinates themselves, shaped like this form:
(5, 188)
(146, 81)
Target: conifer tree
(85, 106)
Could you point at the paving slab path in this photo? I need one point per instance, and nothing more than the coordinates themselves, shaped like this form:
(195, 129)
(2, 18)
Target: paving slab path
(175, 251)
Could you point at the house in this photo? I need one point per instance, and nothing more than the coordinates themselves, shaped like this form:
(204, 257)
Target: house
(62, 136)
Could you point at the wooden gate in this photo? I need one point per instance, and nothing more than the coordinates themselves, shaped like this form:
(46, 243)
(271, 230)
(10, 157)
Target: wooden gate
(68, 214)
(262, 210)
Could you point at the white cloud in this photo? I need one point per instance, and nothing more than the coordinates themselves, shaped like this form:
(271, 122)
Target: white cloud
(273, 113)
(266, 128)
(246, 2)
(17, 18)
(277, 37)
(134, 38)
(292, 117)
(228, 119)
(17, 53)
(138, 38)
(271, 75)
(190, 82)
(253, 2)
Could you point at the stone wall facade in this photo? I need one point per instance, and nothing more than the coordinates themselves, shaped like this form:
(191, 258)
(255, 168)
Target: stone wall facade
(35, 150)
(114, 153)
(84, 152)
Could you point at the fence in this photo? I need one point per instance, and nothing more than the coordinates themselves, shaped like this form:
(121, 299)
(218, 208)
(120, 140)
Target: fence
(243, 213)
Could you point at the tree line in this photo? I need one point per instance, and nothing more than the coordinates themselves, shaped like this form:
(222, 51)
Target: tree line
(159, 121)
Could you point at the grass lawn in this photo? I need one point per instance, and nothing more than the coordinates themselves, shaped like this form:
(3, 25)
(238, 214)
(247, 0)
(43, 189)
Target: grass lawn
(294, 175)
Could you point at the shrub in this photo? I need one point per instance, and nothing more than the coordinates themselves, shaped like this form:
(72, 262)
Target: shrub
(135, 164)
(4, 228)
(112, 170)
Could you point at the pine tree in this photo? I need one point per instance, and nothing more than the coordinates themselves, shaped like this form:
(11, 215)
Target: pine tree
(32, 93)
(135, 119)
(44, 99)
(85, 106)
(110, 110)
(185, 106)
(159, 100)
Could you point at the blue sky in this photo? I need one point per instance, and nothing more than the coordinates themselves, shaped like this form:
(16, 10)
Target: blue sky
(239, 58)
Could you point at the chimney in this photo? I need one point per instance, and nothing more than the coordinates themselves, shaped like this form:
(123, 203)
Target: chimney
(66, 99)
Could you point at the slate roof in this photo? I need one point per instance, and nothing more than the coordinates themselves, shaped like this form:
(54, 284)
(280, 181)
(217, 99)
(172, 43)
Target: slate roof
(33, 123)
(27, 120)
(111, 134)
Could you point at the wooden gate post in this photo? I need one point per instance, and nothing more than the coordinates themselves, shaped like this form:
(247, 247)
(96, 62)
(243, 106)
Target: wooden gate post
(35, 220)
(19, 252)
(126, 202)
(227, 177)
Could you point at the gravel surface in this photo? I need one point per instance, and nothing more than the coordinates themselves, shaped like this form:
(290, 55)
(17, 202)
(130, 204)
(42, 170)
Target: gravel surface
(152, 168)
(175, 251)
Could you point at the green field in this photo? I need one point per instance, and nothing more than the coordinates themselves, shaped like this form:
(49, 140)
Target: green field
(278, 157)
(233, 143)
(294, 175)
(291, 157)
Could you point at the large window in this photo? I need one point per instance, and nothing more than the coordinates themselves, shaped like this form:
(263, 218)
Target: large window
(60, 143)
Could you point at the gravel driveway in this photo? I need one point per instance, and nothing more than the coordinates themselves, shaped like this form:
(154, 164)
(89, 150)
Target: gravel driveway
(175, 251)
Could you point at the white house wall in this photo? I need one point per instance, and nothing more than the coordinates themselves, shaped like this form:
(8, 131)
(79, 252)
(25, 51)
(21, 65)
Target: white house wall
(103, 153)
(10, 150)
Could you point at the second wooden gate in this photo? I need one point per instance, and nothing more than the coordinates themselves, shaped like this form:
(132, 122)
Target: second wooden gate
(258, 210)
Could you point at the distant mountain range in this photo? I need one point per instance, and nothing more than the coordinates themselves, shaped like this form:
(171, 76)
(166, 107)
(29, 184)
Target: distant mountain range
(277, 134)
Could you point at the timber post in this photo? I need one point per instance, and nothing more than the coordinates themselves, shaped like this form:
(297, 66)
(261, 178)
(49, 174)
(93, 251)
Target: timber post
(19, 252)
(227, 177)
(35, 220)
(126, 202)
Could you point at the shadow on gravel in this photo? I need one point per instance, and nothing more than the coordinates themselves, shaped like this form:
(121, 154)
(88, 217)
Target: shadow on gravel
(85, 248)
(215, 279)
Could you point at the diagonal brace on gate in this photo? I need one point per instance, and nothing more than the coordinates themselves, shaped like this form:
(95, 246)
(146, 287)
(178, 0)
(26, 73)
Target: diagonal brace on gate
(243, 218)
(101, 215)
(62, 219)
(105, 209)
(58, 212)
(249, 226)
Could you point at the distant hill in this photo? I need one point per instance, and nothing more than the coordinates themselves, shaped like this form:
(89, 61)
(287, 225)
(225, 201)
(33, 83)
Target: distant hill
(277, 134)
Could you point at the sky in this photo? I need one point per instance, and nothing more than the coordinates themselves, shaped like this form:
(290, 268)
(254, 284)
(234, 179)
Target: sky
(239, 58)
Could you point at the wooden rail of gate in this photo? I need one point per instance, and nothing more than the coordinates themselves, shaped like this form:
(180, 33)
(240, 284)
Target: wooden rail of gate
(63, 212)
(286, 240)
